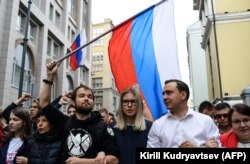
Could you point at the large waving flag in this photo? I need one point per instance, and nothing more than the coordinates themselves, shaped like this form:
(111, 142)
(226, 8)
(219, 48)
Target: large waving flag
(143, 51)
(76, 59)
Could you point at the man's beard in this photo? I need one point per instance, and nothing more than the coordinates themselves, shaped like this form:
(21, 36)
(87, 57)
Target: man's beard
(83, 110)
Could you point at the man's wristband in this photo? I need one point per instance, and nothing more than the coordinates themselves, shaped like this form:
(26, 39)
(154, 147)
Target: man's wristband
(47, 81)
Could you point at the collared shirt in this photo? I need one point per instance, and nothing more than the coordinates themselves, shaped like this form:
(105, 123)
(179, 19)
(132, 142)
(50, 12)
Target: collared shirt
(169, 132)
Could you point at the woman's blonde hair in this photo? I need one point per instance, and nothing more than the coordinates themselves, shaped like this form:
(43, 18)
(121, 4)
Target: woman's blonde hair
(140, 124)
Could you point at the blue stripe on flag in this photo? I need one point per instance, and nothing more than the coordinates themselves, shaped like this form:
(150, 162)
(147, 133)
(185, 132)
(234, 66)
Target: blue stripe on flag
(145, 63)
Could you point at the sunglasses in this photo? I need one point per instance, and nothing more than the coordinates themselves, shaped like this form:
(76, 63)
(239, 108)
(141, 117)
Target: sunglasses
(218, 116)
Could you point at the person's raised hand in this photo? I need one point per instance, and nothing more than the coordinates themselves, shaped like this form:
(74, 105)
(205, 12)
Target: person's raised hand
(52, 67)
(24, 97)
(68, 93)
(64, 100)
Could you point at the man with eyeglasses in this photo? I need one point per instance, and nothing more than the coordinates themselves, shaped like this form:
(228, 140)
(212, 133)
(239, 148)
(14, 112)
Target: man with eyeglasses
(221, 117)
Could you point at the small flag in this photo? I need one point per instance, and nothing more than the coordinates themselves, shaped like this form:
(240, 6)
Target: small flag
(76, 59)
(143, 51)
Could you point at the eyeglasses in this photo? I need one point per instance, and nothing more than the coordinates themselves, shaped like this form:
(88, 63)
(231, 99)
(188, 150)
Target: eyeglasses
(245, 121)
(34, 106)
(127, 102)
(219, 116)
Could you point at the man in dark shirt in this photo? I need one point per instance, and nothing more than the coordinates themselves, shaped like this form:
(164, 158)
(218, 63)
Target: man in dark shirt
(85, 136)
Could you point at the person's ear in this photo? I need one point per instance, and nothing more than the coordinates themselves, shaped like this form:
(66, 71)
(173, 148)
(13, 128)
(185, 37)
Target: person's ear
(183, 95)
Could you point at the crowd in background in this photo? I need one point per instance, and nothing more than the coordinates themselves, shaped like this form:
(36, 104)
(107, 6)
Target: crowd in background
(43, 134)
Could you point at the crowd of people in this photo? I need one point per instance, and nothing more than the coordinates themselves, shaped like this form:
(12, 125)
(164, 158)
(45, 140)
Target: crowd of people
(44, 134)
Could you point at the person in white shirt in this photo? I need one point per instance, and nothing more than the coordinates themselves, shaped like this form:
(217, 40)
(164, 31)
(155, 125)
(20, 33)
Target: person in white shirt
(181, 127)
(16, 139)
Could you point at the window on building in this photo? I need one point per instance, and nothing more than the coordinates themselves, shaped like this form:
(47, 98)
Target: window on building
(53, 48)
(21, 26)
(16, 71)
(68, 85)
(56, 50)
(49, 43)
(97, 32)
(98, 99)
(69, 5)
(58, 19)
(21, 19)
(68, 33)
(97, 61)
(97, 83)
(55, 16)
(72, 8)
(73, 35)
(84, 76)
(51, 12)
(32, 31)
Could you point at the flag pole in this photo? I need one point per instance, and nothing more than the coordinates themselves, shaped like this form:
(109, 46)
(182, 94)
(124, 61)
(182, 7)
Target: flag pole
(105, 33)
(85, 45)
(25, 42)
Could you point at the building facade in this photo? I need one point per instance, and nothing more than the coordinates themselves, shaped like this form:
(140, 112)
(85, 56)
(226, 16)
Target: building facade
(103, 83)
(53, 25)
(197, 65)
(225, 40)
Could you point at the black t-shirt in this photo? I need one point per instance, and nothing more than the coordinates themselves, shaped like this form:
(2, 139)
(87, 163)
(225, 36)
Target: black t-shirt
(83, 138)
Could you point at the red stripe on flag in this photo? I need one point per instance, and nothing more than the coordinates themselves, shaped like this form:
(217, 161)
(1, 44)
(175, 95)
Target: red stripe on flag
(73, 62)
(120, 57)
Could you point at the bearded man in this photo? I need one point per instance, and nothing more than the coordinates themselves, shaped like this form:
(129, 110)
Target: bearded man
(85, 136)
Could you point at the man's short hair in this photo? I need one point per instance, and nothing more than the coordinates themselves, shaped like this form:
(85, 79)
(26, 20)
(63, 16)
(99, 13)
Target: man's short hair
(73, 97)
(222, 105)
(205, 104)
(103, 110)
(181, 86)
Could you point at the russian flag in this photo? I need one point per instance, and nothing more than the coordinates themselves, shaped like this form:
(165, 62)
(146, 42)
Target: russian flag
(143, 51)
(76, 59)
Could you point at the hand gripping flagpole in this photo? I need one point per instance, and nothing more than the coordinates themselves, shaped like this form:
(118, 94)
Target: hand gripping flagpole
(105, 33)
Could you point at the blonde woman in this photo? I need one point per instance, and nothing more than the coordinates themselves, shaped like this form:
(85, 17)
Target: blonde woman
(131, 128)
